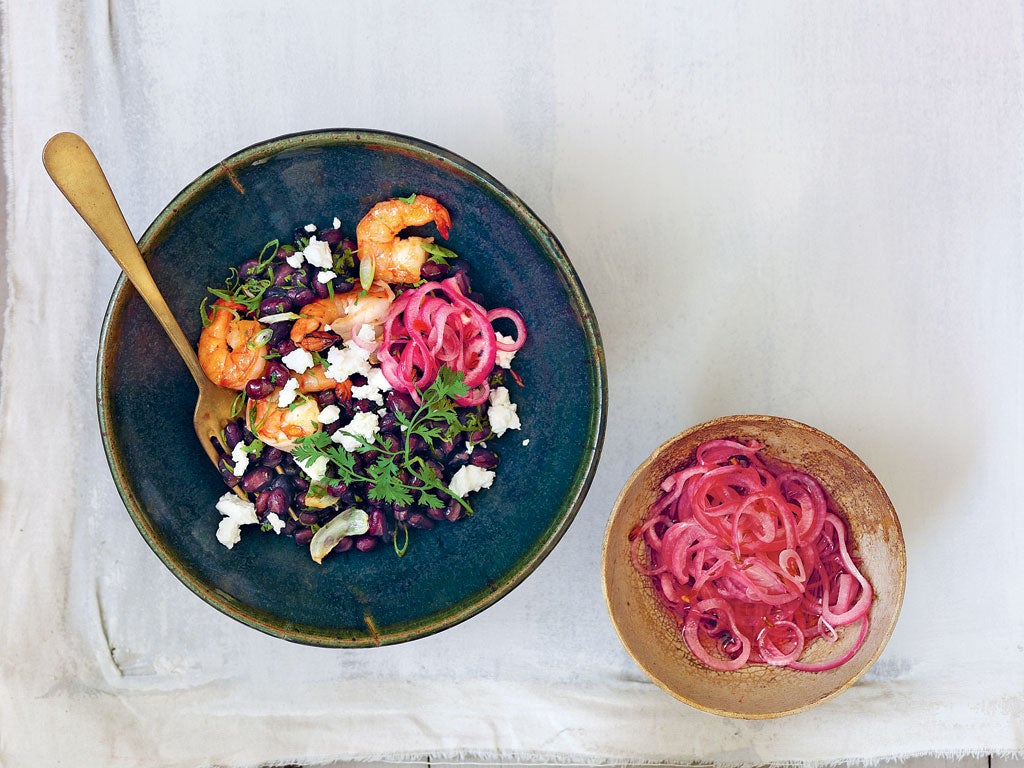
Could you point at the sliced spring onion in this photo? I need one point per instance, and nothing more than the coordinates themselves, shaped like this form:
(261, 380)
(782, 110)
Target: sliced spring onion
(280, 317)
(349, 522)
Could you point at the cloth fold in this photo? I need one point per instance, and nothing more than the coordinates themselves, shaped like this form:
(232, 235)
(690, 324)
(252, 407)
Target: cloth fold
(806, 212)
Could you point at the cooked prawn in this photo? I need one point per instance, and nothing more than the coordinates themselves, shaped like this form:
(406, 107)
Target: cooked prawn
(281, 427)
(342, 312)
(227, 352)
(398, 260)
(315, 380)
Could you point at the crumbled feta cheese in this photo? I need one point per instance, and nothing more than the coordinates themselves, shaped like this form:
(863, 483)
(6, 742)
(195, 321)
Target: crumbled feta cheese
(329, 414)
(501, 357)
(376, 384)
(237, 512)
(295, 259)
(342, 362)
(470, 478)
(298, 360)
(310, 227)
(526, 441)
(318, 253)
(337, 223)
(275, 522)
(240, 459)
(363, 424)
(287, 394)
(502, 412)
(325, 276)
(316, 469)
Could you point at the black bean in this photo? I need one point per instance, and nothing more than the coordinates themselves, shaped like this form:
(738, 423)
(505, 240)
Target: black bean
(453, 511)
(366, 543)
(302, 296)
(331, 236)
(320, 289)
(227, 473)
(435, 514)
(433, 271)
(344, 545)
(283, 273)
(337, 489)
(483, 458)
(479, 436)
(308, 518)
(457, 460)
(349, 497)
(300, 233)
(303, 535)
(261, 504)
(274, 306)
(325, 398)
(364, 405)
(249, 268)
(389, 441)
(458, 271)
(289, 526)
(257, 389)
(388, 423)
(444, 449)
(435, 466)
(419, 520)
(343, 286)
(284, 347)
(257, 479)
(276, 373)
(233, 434)
(417, 445)
(399, 401)
(401, 512)
(280, 332)
(271, 456)
(277, 502)
(378, 523)
(301, 483)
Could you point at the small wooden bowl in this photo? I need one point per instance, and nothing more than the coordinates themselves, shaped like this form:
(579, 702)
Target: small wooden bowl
(756, 691)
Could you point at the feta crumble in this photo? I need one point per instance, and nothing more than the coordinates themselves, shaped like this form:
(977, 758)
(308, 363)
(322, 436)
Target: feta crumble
(502, 412)
(295, 259)
(470, 478)
(364, 424)
(318, 253)
(287, 394)
(298, 360)
(325, 276)
(501, 357)
(240, 458)
(329, 414)
(237, 512)
(337, 223)
(316, 469)
(275, 522)
(526, 441)
(342, 362)
(310, 227)
(376, 385)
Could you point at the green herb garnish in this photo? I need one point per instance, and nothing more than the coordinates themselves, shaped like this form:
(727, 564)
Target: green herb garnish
(249, 292)
(407, 200)
(435, 419)
(439, 254)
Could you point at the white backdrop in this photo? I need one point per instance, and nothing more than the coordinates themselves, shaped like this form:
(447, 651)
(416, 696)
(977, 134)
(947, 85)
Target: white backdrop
(808, 210)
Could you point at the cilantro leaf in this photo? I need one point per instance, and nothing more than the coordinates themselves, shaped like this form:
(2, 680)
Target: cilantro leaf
(439, 254)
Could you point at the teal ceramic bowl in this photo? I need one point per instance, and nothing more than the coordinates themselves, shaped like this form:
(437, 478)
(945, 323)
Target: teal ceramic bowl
(146, 396)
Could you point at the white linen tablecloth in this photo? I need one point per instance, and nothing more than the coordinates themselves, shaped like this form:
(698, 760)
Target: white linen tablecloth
(809, 210)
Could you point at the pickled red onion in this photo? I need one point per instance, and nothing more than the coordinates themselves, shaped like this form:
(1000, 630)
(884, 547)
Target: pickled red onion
(436, 325)
(751, 562)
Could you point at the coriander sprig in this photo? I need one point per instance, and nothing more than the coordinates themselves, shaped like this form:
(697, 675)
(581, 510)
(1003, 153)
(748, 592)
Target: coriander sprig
(398, 476)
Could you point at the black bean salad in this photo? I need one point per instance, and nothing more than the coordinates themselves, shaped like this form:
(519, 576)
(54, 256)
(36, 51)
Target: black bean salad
(371, 382)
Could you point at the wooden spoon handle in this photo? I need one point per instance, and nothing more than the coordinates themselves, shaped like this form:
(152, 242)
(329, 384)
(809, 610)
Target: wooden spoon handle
(76, 172)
